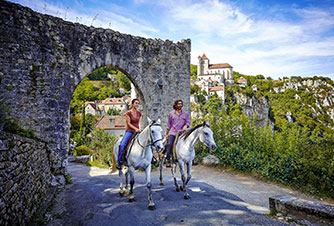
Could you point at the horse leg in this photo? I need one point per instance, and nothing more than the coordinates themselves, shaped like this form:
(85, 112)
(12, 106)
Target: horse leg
(121, 190)
(162, 159)
(189, 165)
(151, 205)
(127, 183)
(183, 176)
(132, 182)
(173, 169)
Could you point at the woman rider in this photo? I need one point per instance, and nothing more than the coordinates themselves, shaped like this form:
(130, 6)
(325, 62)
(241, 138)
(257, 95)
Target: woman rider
(132, 126)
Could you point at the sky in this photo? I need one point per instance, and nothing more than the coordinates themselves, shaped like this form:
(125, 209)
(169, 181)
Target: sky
(269, 37)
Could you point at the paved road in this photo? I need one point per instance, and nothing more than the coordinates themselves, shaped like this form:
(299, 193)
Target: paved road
(217, 198)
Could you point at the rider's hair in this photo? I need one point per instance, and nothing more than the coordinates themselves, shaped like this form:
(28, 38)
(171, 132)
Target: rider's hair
(134, 100)
(175, 104)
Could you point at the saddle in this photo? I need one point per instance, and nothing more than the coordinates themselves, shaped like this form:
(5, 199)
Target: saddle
(129, 146)
(174, 144)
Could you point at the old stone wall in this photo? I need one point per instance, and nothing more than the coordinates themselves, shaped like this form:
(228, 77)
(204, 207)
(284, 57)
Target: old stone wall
(44, 58)
(25, 178)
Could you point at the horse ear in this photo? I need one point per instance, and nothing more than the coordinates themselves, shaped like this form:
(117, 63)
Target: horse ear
(158, 121)
(149, 120)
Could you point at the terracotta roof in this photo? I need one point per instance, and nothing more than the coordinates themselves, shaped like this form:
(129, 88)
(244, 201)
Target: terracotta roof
(217, 88)
(204, 57)
(104, 123)
(92, 104)
(112, 101)
(216, 66)
(241, 80)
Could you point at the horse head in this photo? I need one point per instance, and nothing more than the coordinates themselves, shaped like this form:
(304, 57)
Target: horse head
(206, 136)
(156, 133)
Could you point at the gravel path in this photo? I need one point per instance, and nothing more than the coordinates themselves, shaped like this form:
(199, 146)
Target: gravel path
(218, 197)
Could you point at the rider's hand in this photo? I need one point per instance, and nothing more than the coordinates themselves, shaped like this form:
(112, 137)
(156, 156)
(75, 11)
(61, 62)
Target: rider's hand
(184, 128)
(138, 130)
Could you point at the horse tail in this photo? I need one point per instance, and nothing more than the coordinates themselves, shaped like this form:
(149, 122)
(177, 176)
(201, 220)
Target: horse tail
(113, 158)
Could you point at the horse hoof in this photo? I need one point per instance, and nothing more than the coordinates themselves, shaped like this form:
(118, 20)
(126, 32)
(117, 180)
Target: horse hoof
(161, 184)
(121, 194)
(178, 189)
(181, 188)
(152, 207)
(186, 197)
(132, 200)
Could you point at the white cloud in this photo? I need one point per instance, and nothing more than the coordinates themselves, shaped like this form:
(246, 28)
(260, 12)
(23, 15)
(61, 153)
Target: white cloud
(226, 33)
(97, 18)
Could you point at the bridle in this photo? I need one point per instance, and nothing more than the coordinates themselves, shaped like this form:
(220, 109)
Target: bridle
(151, 138)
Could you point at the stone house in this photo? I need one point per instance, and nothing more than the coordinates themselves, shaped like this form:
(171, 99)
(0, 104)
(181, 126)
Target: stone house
(113, 125)
(221, 73)
(220, 90)
(254, 88)
(92, 108)
(116, 103)
(242, 82)
(101, 107)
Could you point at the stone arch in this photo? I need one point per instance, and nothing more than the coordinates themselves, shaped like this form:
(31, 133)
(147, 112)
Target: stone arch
(47, 57)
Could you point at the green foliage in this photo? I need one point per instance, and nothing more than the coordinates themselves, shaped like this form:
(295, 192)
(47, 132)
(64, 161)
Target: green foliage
(9, 124)
(113, 111)
(213, 105)
(290, 156)
(194, 89)
(83, 150)
(298, 153)
(193, 71)
(68, 179)
(103, 145)
(96, 86)
(101, 73)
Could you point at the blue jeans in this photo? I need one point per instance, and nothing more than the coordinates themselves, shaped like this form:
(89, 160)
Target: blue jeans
(169, 147)
(125, 140)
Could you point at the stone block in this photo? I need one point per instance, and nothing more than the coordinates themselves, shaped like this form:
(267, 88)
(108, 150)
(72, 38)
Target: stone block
(302, 210)
(210, 159)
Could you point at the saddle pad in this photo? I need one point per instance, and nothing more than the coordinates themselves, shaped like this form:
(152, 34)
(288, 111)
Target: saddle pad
(175, 142)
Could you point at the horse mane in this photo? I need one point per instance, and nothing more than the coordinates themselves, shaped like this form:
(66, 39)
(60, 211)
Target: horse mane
(187, 133)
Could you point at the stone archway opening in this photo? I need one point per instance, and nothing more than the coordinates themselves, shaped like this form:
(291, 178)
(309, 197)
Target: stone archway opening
(97, 110)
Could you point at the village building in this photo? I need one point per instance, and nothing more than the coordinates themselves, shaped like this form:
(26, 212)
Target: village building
(101, 107)
(219, 90)
(242, 82)
(92, 108)
(115, 103)
(113, 125)
(254, 88)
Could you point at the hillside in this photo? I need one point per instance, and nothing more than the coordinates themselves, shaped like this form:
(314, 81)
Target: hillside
(282, 130)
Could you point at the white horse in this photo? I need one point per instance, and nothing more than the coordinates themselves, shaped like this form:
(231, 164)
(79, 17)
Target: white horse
(185, 152)
(139, 157)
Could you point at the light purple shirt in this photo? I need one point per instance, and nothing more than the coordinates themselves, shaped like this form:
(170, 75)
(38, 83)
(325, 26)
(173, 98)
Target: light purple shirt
(177, 121)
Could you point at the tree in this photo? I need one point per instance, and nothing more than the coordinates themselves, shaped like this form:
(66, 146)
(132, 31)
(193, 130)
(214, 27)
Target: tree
(194, 89)
(193, 71)
(123, 81)
(213, 105)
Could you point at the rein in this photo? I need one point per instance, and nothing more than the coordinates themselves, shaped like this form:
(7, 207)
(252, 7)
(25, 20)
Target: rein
(150, 144)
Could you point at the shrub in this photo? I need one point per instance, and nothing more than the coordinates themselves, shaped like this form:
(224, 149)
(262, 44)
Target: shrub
(83, 150)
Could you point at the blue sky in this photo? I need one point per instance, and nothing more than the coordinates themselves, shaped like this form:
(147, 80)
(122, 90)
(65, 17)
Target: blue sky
(269, 37)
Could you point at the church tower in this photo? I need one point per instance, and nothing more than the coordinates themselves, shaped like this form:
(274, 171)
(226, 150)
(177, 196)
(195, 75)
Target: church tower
(203, 65)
